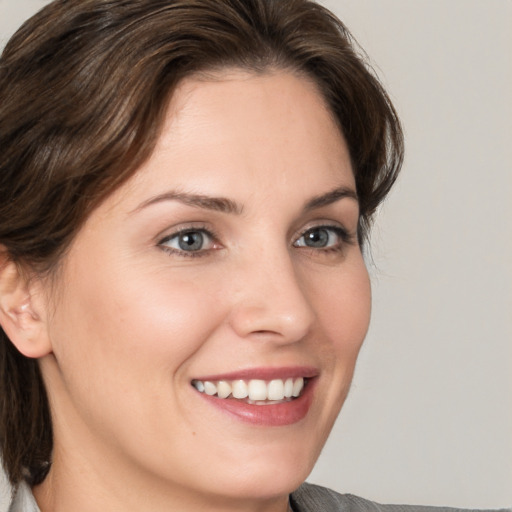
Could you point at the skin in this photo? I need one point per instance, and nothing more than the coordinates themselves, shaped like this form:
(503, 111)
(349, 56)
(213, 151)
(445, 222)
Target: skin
(130, 322)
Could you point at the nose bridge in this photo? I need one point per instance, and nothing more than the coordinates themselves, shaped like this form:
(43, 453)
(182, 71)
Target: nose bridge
(270, 298)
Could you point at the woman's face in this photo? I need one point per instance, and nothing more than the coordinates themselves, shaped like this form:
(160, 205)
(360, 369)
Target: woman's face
(230, 257)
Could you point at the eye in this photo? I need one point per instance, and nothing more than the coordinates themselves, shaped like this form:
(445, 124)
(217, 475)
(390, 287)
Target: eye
(323, 237)
(188, 241)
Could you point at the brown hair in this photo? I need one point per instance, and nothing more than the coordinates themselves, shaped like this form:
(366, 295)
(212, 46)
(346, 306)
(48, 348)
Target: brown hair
(84, 86)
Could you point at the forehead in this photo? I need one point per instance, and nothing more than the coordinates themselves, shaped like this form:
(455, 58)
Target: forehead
(275, 99)
(276, 89)
(238, 130)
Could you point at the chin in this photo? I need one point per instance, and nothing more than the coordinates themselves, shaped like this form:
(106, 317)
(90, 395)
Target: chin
(272, 473)
(276, 481)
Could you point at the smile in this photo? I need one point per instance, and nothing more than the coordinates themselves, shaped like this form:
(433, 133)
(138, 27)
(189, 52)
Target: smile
(254, 391)
(286, 393)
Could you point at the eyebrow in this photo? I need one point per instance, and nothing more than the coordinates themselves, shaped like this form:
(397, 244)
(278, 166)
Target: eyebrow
(225, 205)
(218, 204)
(331, 197)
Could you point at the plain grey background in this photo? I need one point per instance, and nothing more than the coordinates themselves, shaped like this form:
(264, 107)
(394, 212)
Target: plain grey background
(429, 417)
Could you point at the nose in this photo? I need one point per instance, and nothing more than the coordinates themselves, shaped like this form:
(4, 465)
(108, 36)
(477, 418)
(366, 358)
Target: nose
(271, 301)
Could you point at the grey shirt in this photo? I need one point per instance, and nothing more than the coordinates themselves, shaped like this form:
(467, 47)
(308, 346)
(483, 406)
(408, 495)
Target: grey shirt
(24, 500)
(313, 498)
(307, 498)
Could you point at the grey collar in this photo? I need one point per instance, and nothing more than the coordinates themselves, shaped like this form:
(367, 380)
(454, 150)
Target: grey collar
(24, 500)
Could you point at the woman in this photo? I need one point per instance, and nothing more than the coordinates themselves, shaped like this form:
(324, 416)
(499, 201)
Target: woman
(187, 188)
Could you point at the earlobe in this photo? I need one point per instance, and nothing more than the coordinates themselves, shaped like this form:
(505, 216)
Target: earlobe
(22, 310)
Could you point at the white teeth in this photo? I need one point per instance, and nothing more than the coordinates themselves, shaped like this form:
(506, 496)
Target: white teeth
(288, 388)
(276, 390)
(240, 389)
(199, 386)
(298, 385)
(256, 391)
(210, 388)
(223, 389)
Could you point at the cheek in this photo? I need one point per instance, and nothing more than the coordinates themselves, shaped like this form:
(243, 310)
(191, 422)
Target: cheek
(344, 307)
(343, 313)
(124, 343)
(134, 323)
(354, 306)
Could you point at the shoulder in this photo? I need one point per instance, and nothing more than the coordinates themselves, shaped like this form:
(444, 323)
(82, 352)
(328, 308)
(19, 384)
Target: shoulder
(313, 498)
(23, 500)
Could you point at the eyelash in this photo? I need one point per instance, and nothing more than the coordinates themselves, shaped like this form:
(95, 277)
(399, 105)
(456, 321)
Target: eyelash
(187, 254)
(345, 238)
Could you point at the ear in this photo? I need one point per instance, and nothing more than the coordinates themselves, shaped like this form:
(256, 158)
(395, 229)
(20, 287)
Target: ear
(22, 309)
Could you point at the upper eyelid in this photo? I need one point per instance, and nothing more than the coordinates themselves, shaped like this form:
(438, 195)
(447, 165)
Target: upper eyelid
(331, 227)
(327, 224)
(322, 224)
(178, 233)
(169, 233)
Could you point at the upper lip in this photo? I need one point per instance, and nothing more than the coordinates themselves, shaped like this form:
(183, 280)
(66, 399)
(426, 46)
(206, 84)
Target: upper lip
(264, 373)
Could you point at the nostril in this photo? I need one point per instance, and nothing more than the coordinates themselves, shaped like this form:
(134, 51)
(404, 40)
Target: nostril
(275, 307)
(272, 323)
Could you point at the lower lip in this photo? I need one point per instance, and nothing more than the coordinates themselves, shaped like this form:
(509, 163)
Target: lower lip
(273, 415)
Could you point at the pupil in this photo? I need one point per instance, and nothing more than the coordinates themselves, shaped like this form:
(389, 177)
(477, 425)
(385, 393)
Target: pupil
(317, 238)
(191, 241)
